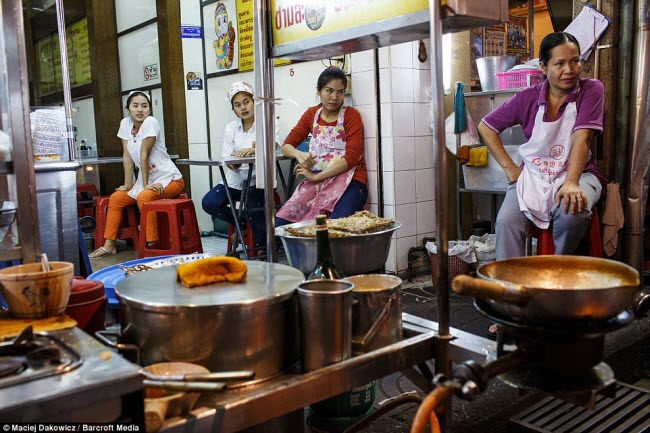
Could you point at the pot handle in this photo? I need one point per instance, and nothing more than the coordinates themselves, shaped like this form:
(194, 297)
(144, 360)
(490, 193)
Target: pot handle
(103, 336)
(468, 286)
(381, 318)
(641, 304)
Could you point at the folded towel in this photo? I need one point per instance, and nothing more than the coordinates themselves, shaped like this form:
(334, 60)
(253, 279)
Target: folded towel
(613, 219)
(211, 270)
(462, 155)
(478, 157)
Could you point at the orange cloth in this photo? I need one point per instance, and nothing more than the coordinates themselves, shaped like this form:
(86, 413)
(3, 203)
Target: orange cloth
(462, 154)
(613, 219)
(211, 270)
(120, 199)
(354, 135)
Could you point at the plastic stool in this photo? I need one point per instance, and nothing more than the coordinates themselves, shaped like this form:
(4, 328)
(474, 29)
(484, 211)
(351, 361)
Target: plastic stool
(178, 228)
(128, 229)
(86, 304)
(592, 236)
(86, 192)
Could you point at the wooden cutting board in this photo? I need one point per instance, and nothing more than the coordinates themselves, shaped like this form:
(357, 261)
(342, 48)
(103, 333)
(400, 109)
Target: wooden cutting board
(10, 327)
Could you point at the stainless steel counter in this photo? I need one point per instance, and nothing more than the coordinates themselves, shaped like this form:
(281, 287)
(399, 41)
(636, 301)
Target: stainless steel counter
(105, 388)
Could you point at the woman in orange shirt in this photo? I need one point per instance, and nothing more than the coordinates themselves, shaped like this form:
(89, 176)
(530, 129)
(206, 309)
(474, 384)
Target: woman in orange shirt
(335, 181)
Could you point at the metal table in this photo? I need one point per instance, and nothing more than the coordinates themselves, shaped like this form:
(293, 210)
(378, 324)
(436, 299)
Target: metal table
(110, 160)
(239, 409)
(237, 212)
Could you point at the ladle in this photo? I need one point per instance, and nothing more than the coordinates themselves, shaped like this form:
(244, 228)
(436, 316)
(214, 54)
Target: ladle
(45, 263)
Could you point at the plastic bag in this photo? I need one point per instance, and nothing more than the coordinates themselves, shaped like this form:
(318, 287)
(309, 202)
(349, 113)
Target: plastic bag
(468, 137)
(461, 249)
(484, 247)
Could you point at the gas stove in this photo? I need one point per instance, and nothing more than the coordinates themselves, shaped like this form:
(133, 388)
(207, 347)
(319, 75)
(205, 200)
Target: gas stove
(67, 376)
(32, 356)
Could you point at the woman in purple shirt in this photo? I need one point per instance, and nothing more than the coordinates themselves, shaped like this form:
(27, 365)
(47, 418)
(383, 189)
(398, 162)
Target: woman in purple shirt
(557, 182)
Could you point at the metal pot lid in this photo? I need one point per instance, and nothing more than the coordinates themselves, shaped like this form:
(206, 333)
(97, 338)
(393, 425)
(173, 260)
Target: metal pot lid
(158, 290)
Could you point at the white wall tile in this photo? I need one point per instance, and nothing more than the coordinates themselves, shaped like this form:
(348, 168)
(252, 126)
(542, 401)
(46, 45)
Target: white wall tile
(363, 88)
(369, 118)
(422, 119)
(402, 85)
(423, 152)
(421, 85)
(405, 187)
(372, 208)
(384, 85)
(404, 153)
(370, 153)
(387, 120)
(407, 215)
(190, 13)
(388, 182)
(426, 217)
(389, 211)
(384, 57)
(424, 180)
(199, 186)
(372, 187)
(416, 50)
(402, 253)
(401, 56)
(420, 237)
(387, 154)
(362, 61)
(403, 123)
(391, 261)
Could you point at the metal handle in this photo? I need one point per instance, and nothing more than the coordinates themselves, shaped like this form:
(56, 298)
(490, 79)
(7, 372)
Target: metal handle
(468, 286)
(202, 377)
(175, 385)
(379, 321)
(641, 304)
(103, 336)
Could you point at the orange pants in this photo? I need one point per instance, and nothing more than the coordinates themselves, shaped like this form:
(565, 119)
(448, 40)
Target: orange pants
(121, 199)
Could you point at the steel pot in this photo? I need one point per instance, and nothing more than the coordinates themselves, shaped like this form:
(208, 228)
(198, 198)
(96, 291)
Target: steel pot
(224, 327)
(548, 290)
(354, 254)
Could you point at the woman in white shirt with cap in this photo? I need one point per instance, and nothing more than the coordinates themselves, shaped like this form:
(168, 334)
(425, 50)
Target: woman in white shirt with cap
(143, 146)
(239, 140)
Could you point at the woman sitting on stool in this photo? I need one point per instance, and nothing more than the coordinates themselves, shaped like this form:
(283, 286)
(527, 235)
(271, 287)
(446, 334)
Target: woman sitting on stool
(143, 146)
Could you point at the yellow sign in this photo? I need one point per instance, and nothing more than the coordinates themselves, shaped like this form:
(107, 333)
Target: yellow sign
(294, 20)
(245, 30)
(81, 49)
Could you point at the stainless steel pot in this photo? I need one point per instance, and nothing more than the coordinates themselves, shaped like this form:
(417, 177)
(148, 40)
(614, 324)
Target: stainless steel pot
(355, 254)
(488, 68)
(223, 327)
(549, 290)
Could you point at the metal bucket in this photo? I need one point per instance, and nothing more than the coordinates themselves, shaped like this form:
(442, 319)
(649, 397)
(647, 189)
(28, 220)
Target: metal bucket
(376, 311)
(325, 322)
(488, 68)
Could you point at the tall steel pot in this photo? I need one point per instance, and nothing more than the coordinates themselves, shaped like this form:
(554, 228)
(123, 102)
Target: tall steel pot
(223, 327)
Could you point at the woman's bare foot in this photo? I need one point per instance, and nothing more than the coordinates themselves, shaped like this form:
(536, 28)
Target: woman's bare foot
(101, 252)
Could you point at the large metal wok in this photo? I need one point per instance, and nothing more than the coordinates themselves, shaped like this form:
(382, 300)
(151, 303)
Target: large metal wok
(550, 290)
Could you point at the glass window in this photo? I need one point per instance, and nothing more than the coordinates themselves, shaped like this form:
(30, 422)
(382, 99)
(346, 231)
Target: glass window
(139, 58)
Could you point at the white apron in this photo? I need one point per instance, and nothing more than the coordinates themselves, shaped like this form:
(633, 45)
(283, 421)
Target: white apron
(545, 157)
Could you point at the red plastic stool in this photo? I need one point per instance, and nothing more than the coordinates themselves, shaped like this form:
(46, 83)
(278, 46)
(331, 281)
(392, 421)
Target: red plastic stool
(86, 304)
(178, 228)
(128, 229)
(248, 232)
(592, 236)
(86, 192)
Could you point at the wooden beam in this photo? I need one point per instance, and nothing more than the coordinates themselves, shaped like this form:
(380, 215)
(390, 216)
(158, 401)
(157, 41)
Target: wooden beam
(172, 77)
(102, 37)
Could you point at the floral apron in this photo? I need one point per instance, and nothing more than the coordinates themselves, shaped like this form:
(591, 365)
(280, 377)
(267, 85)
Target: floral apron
(546, 157)
(314, 198)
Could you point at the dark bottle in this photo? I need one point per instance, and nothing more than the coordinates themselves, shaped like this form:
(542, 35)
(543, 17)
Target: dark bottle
(325, 268)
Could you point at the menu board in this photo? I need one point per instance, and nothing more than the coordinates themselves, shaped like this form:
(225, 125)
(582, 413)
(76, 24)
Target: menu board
(49, 59)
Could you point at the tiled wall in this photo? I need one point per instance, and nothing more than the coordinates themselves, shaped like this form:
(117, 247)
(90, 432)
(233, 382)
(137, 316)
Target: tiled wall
(406, 147)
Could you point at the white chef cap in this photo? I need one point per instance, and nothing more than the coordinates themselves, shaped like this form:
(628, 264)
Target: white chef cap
(239, 86)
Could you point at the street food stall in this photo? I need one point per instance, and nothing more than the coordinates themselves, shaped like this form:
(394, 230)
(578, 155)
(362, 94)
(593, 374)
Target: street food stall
(252, 326)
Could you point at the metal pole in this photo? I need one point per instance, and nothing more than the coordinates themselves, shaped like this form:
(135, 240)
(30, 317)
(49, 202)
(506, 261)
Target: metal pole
(531, 29)
(65, 75)
(265, 114)
(442, 199)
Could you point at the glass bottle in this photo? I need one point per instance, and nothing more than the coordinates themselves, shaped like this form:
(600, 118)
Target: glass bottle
(325, 268)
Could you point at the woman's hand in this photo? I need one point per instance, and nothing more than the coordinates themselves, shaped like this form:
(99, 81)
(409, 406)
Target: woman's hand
(573, 196)
(247, 151)
(299, 170)
(513, 174)
(155, 187)
(305, 159)
(123, 188)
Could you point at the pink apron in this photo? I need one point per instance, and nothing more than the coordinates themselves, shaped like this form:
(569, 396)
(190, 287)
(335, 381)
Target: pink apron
(545, 156)
(314, 198)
